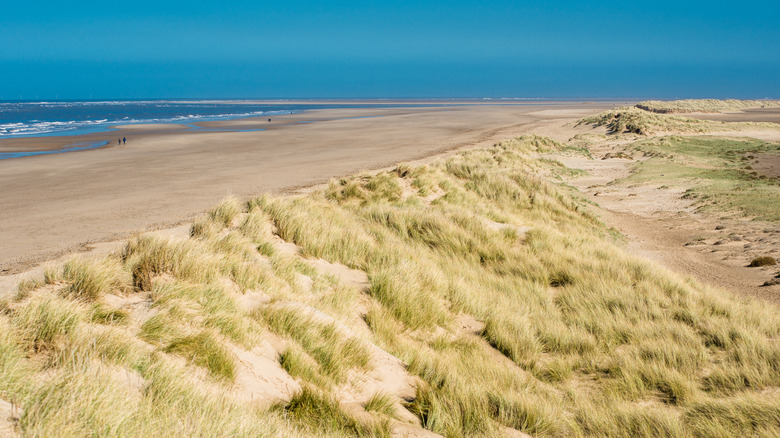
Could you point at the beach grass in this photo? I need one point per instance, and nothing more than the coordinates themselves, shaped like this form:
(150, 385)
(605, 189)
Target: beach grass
(638, 120)
(509, 304)
(703, 105)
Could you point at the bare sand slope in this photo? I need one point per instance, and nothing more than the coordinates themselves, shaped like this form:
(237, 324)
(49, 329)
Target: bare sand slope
(54, 204)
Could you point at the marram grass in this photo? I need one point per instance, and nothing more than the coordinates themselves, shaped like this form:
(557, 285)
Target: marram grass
(568, 335)
(644, 121)
(704, 105)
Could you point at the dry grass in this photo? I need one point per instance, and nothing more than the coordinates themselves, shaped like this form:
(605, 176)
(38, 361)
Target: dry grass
(579, 338)
(381, 403)
(633, 120)
(703, 105)
(333, 353)
(638, 121)
(206, 351)
(321, 411)
(88, 279)
(762, 261)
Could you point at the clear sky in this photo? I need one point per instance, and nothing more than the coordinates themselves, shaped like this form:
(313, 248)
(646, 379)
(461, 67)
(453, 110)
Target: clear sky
(342, 48)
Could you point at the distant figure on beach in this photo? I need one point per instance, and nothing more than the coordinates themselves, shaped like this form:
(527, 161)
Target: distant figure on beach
(124, 139)
(119, 142)
(269, 120)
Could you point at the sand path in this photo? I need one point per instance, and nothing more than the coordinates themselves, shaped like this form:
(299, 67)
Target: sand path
(661, 225)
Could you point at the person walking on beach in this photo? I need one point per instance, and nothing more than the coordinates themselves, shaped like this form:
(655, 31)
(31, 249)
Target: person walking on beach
(119, 142)
(124, 139)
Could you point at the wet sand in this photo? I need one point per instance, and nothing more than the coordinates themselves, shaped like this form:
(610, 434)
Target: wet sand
(54, 204)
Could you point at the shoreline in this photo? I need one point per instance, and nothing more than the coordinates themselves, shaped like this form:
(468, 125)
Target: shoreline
(163, 178)
(34, 141)
(45, 142)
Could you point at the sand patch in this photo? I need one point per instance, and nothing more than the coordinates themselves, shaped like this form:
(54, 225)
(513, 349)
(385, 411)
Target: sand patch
(285, 248)
(260, 378)
(402, 430)
(342, 273)
(138, 306)
(304, 282)
(9, 283)
(468, 324)
(9, 419)
(498, 227)
(128, 378)
(766, 134)
(771, 115)
(568, 112)
(250, 300)
(175, 233)
(514, 433)
(766, 164)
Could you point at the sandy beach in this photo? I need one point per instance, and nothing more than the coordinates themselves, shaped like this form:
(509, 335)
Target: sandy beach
(166, 174)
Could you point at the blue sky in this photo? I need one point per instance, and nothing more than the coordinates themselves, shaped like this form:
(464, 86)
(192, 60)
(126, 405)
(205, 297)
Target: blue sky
(389, 49)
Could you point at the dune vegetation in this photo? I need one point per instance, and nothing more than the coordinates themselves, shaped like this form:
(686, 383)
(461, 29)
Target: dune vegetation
(717, 169)
(472, 296)
(635, 121)
(703, 105)
(658, 117)
(674, 150)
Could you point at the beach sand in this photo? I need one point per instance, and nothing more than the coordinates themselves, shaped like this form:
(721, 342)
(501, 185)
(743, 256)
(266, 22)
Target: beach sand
(55, 204)
(747, 115)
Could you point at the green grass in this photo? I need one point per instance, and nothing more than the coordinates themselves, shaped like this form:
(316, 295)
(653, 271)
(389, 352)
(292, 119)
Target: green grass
(217, 218)
(103, 315)
(297, 362)
(713, 167)
(381, 403)
(205, 351)
(320, 411)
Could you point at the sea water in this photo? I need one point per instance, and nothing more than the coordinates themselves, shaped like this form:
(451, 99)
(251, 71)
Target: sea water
(54, 118)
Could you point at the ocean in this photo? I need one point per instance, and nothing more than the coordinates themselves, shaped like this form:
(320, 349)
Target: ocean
(37, 119)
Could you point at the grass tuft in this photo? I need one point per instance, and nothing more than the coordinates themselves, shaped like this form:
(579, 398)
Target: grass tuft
(762, 261)
(88, 279)
(703, 105)
(322, 412)
(43, 319)
(205, 351)
(381, 403)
